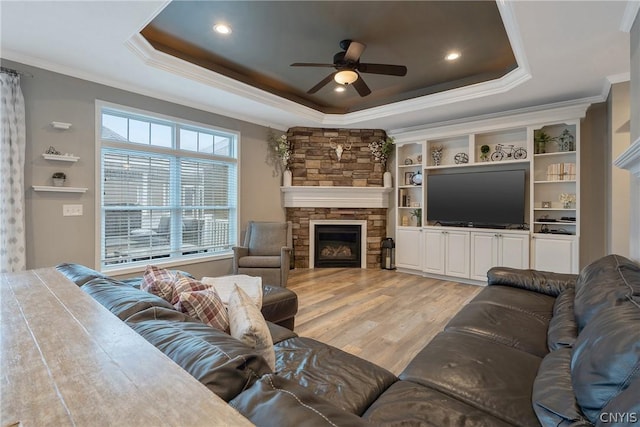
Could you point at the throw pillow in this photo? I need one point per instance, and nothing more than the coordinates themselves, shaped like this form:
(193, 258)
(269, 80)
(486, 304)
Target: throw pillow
(187, 284)
(159, 281)
(247, 324)
(251, 285)
(204, 305)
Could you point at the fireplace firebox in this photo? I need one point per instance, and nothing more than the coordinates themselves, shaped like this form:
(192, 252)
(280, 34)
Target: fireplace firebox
(337, 246)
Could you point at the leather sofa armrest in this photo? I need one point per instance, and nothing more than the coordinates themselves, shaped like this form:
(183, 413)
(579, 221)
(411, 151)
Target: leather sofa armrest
(238, 252)
(544, 282)
(285, 265)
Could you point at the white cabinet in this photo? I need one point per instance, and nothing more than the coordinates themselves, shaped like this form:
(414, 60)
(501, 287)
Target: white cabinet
(555, 253)
(409, 248)
(499, 248)
(446, 252)
(434, 251)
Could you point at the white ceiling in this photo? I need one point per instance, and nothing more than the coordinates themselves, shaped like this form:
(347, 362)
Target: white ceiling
(567, 50)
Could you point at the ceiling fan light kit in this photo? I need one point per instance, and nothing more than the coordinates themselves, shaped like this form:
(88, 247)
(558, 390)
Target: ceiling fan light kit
(347, 64)
(345, 77)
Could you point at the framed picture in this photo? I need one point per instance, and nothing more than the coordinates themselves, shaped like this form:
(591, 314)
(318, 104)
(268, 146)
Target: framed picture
(546, 204)
(407, 178)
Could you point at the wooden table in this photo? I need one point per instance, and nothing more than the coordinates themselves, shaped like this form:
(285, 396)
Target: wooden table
(66, 360)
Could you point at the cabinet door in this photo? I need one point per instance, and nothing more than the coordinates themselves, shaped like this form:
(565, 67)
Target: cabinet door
(409, 248)
(514, 251)
(457, 253)
(433, 260)
(555, 254)
(484, 254)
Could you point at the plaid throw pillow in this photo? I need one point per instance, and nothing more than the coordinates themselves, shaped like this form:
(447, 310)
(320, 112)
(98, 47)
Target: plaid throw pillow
(159, 281)
(187, 284)
(204, 305)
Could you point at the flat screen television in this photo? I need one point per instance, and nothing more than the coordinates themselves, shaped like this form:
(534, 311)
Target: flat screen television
(477, 199)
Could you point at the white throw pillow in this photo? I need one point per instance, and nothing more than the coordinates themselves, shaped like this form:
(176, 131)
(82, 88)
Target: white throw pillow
(247, 324)
(224, 285)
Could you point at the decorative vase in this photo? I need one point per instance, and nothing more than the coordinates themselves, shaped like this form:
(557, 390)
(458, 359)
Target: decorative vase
(287, 178)
(386, 179)
(436, 155)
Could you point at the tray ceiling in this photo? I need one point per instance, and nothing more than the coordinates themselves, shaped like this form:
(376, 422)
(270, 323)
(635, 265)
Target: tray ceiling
(268, 36)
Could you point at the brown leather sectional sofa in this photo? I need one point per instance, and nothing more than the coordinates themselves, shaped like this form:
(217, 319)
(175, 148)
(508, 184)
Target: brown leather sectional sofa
(533, 348)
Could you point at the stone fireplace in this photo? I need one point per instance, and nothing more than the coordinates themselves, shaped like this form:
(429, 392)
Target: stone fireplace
(326, 191)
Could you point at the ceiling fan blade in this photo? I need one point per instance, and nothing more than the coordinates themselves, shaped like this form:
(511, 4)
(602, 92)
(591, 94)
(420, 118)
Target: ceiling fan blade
(310, 64)
(388, 69)
(361, 86)
(322, 83)
(354, 51)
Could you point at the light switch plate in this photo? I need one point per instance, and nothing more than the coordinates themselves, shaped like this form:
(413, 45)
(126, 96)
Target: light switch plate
(71, 210)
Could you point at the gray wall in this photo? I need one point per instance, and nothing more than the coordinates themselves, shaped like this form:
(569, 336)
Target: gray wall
(52, 238)
(634, 231)
(635, 79)
(593, 188)
(618, 180)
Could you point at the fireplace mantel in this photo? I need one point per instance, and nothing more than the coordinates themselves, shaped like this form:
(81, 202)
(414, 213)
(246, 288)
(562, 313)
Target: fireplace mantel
(630, 159)
(336, 197)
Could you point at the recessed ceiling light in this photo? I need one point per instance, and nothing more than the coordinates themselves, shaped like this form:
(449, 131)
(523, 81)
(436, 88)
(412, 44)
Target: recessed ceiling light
(452, 56)
(340, 89)
(222, 29)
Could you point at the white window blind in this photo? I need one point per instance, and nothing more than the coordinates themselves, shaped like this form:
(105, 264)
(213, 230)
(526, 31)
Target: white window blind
(169, 189)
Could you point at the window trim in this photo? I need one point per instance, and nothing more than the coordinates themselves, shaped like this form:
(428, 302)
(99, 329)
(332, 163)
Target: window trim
(184, 259)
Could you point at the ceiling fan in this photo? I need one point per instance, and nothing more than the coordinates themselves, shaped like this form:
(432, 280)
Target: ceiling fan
(347, 64)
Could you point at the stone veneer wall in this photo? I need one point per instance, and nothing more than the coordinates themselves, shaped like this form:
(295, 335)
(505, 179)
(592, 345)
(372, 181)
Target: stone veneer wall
(315, 163)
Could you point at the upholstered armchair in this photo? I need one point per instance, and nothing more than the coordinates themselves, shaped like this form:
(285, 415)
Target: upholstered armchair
(266, 252)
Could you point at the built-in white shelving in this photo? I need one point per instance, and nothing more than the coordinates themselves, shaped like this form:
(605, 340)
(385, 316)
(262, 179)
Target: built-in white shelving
(550, 236)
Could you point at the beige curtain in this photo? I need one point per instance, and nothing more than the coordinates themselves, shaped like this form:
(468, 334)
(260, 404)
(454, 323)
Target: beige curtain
(12, 153)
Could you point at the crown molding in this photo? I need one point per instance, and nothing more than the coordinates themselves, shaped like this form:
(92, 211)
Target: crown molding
(557, 112)
(629, 16)
(117, 84)
(154, 58)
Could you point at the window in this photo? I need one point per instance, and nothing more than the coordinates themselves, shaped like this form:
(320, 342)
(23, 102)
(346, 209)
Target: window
(169, 189)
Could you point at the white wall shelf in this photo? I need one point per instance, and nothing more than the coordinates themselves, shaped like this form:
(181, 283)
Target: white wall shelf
(51, 188)
(61, 157)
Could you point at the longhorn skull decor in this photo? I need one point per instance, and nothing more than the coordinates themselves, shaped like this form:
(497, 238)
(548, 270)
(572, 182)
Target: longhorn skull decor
(339, 148)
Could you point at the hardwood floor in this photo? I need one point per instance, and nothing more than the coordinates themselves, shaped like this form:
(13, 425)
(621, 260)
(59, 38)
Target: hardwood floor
(383, 316)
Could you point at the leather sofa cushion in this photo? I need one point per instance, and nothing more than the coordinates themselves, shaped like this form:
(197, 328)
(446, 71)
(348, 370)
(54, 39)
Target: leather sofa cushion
(482, 373)
(563, 329)
(79, 274)
(347, 381)
(553, 399)
(409, 404)
(121, 299)
(274, 401)
(222, 363)
(280, 333)
(262, 261)
(623, 410)
(606, 357)
(543, 282)
(503, 324)
(534, 303)
(604, 283)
